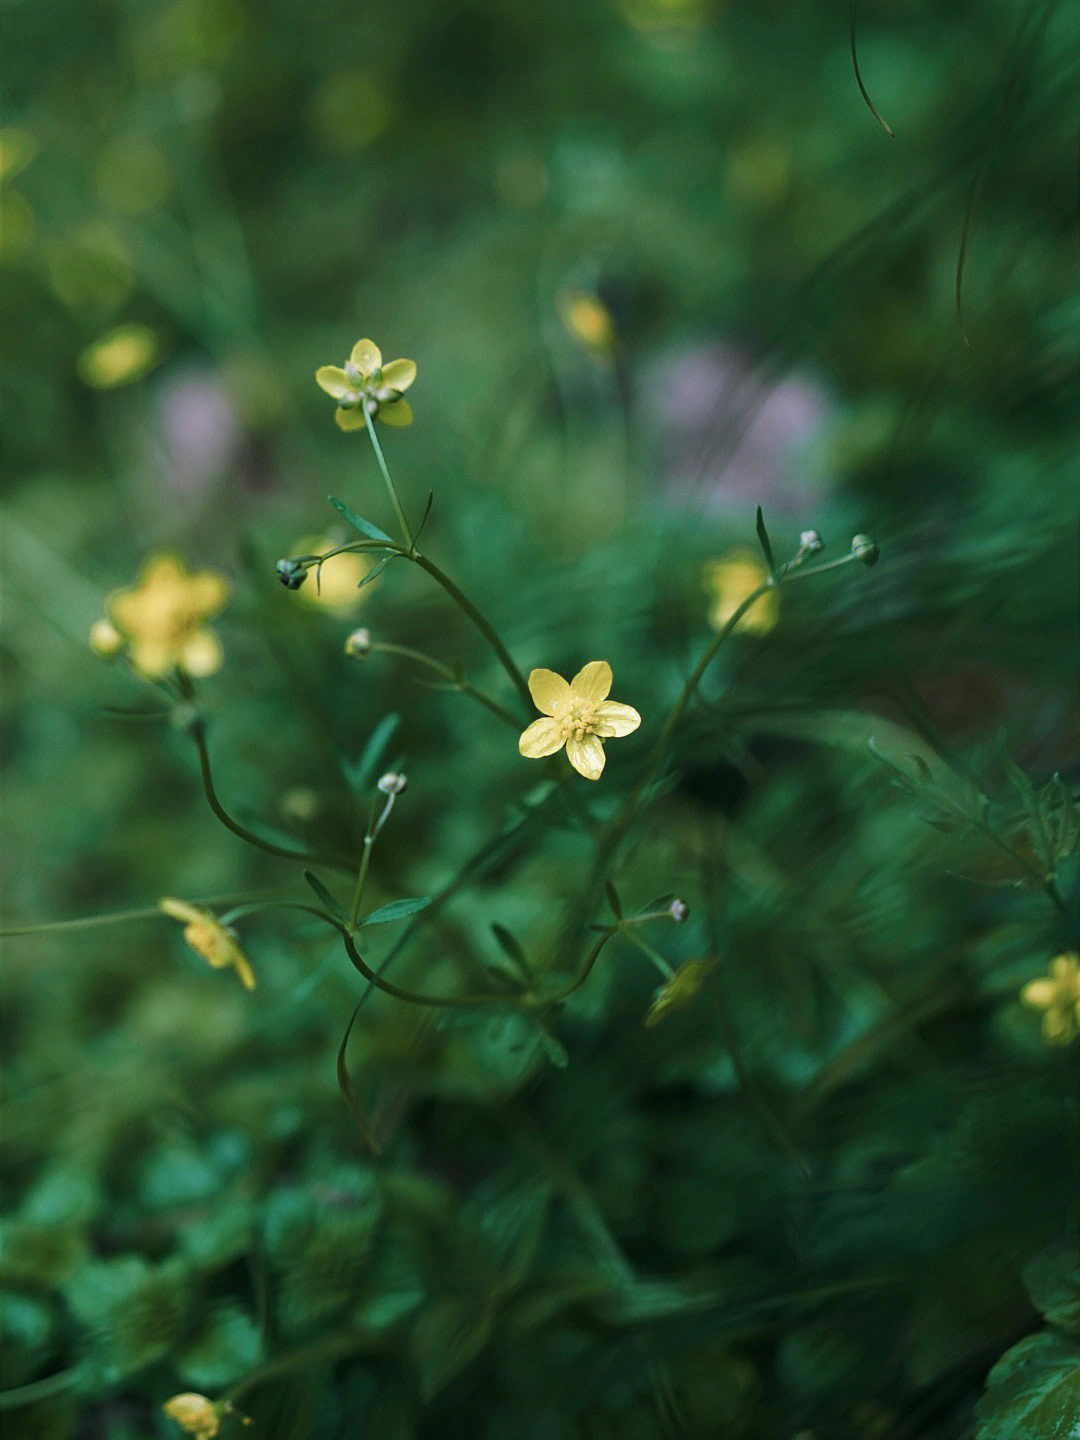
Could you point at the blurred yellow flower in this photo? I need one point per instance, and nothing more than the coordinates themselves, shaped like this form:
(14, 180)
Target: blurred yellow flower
(587, 319)
(160, 619)
(120, 357)
(678, 991)
(333, 584)
(366, 384)
(195, 1414)
(733, 579)
(208, 937)
(1059, 998)
(578, 715)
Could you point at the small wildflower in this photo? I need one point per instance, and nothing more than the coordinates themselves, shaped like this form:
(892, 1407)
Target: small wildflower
(195, 1414)
(161, 619)
(208, 937)
(578, 715)
(358, 644)
(865, 549)
(392, 783)
(679, 991)
(679, 910)
(733, 579)
(1059, 998)
(366, 384)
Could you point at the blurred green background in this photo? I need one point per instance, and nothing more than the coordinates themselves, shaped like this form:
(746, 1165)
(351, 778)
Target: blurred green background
(658, 264)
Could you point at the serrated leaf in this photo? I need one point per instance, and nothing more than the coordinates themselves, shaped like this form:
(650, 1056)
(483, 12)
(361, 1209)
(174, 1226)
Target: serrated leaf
(324, 895)
(358, 522)
(1033, 1392)
(396, 910)
(763, 537)
(1023, 786)
(359, 774)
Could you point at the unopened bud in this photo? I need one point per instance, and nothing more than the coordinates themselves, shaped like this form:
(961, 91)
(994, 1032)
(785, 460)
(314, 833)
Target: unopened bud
(291, 573)
(678, 910)
(810, 542)
(105, 639)
(865, 549)
(358, 644)
(392, 783)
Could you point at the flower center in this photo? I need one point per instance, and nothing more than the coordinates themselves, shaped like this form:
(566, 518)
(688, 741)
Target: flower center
(577, 718)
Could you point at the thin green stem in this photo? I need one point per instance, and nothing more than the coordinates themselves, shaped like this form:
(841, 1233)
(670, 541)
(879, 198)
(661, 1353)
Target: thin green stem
(197, 731)
(462, 601)
(381, 459)
(455, 682)
(365, 862)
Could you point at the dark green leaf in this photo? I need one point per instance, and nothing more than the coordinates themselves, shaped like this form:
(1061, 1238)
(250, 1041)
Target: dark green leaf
(360, 774)
(324, 895)
(763, 537)
(358, 522)
(423, 518)
(511, 948)
(396, 910)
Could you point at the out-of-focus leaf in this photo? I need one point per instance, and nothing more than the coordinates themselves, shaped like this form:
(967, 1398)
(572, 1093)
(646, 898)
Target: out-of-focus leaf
(324, 895)
(396, 910)
(1033, 1392)
(359, 773)
(763, 537)
(1053, 1282)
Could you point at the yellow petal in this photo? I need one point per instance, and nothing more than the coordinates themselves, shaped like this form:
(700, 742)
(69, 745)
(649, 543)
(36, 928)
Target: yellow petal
(1065, 967)
(181, 910)
(548, 690)
(614, 719)
(399, 374)
(543, 737)
(152, 657)
(349, 419)
(366, 356)
(1039, 993)
(394, 412)
(201, 654)
(593, 681)
(207, 592)
(586, 755)
(334, 381)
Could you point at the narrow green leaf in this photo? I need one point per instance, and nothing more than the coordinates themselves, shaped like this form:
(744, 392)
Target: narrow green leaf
(613, 899)
(423, 518)
(359, 773)
(324, 895)
(511, 948)
(763, 537)
(358, 522)
(375, 571)
(396, 910)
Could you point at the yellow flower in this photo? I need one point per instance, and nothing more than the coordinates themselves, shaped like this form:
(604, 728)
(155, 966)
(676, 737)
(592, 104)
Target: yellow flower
(365, 383)
(730, 581)
(1059, 997)
(160, 620)
(195, 1414)
(578, 715)
(678, 991)
(208, 937)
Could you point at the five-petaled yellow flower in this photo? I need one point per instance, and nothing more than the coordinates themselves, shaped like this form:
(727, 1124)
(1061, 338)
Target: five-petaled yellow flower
(578, 715)
(160, 621)
(208, 937)
(1059, 998)
(365, 384)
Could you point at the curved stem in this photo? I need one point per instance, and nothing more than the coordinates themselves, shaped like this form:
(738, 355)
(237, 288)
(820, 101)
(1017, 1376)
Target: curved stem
(197, 731)
(453, 680)
(480, 621)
